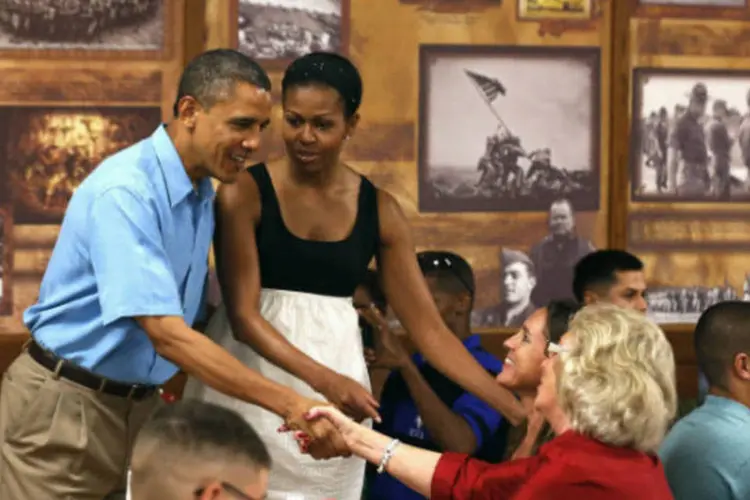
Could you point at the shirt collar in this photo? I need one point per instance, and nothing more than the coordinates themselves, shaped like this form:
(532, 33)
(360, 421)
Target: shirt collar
(726, 405)
(179, 185)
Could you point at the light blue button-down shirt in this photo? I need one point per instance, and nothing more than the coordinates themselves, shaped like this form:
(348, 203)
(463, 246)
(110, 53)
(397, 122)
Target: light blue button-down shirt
(706, 455)
(134, 242)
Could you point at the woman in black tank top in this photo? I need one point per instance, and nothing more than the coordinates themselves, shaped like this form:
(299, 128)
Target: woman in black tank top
(294, 239)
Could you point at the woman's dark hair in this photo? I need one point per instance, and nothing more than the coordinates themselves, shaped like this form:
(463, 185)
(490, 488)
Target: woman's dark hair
(329, 69)
(559, 314)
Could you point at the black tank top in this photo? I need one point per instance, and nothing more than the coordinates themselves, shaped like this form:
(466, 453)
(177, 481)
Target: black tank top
(333, 268)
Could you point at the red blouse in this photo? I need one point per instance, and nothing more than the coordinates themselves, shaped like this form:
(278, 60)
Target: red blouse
(570, 467)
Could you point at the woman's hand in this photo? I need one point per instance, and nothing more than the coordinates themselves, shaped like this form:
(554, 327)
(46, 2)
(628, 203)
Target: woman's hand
(347, 428)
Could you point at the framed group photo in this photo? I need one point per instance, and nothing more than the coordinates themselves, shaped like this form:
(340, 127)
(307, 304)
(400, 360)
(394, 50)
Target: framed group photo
(275, 32)
(495, 135)
(691, 136)
(118, 29)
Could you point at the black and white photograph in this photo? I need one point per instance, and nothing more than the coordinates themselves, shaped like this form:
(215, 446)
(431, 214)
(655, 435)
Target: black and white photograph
(91, 25)
(496, 134)
(691, 136)
(6, 302)
(281, 30)
(684, 305)
(696, 3)
(48, 151)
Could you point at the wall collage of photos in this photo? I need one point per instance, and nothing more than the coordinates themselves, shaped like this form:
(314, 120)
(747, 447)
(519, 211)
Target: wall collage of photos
(81, 80)
(503, 127)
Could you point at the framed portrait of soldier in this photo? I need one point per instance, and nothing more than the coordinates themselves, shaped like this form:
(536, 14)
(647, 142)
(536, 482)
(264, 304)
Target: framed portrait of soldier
(494, 135)
(119, 29)
(691, 136)
(49, 151)
(275, 32)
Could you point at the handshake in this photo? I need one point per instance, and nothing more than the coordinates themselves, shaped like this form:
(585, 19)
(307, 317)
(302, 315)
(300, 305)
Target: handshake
(321, 430)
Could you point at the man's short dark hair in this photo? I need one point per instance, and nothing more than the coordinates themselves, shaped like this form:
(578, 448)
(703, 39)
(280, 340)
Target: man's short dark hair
(452, 272)
(212, 76)
(721, 333)
(599, 268)
(198, 430)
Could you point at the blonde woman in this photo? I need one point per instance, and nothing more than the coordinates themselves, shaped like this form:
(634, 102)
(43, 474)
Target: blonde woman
(609, 395)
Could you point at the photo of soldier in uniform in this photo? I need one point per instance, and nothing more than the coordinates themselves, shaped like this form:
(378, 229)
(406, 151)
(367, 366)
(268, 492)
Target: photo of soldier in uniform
(496, 136)
(554, 9)
(696, 3)
(692, 139)
(672, 304)
(286, 29)
(82, 24)
(518, 282)
(49, 151)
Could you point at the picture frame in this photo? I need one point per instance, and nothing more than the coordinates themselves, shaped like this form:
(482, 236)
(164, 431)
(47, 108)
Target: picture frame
(143, 35)
(316, 26)
(477, 177)
(51, 149)
(538, 10)
(713, 173)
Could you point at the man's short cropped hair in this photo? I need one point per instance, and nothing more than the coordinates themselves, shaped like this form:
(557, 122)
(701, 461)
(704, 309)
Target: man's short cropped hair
(721, 333)
(599, 268)
(194, 433)
(452, 272)
(211, 77)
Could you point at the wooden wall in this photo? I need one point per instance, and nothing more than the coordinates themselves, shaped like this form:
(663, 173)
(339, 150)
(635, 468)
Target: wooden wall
(384, 38)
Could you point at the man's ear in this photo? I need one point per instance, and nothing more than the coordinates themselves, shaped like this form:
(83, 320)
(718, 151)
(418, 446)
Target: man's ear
(589, 297)
(742, 366)
(211, 492)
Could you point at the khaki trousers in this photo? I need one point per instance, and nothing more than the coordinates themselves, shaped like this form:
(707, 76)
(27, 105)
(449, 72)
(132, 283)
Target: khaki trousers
(63, 441)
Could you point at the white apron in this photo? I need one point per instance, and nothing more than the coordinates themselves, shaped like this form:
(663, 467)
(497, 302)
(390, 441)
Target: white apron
(327, 330)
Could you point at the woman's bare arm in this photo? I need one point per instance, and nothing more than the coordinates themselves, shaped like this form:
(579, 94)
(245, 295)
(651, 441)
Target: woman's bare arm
(407, 293)
(237, 212)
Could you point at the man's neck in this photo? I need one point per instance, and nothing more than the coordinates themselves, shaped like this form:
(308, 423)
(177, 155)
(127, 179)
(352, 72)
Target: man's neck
(743, 399)
(180, 139)
(517, 308)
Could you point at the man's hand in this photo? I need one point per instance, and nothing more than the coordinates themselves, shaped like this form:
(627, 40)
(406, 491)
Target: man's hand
(320, 437)
(350, 396)
(389, 351)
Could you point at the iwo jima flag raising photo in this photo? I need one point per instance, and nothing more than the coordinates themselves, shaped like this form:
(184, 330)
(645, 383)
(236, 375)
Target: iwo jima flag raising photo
(551, 155)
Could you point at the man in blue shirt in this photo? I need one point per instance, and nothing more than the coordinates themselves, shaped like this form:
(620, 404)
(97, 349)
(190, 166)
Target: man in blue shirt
(419, 405)
(123, 286)
(706, 455)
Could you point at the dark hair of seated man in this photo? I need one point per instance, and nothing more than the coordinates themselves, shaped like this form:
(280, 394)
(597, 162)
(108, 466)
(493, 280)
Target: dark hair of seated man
(613, 276)
(198, 450)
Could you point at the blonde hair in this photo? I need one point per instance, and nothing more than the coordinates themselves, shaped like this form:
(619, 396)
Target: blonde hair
(617, 383)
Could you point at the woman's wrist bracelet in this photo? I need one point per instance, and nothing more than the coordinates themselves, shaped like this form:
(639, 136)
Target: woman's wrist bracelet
(387, 454)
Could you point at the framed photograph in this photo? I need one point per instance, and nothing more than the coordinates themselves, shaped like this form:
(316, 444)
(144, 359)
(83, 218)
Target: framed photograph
(48, 151)
(277, 31)
(494, 135)
(533, 276)
(6, 262)
(128, 29)
(554, 9)
(684, 283)
(696, 3)
(691, 136)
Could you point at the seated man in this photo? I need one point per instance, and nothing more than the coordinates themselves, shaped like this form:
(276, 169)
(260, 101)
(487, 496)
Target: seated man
(706, 455)
(612, 276)
(418, 404)
(192, 449)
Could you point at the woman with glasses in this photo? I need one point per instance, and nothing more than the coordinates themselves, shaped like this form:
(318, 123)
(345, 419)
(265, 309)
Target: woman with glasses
(607, 391)
(294, 238)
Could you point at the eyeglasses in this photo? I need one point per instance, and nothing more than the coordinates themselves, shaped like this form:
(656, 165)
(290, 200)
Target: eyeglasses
(229, 488)
(429, 262)
(556, 348)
